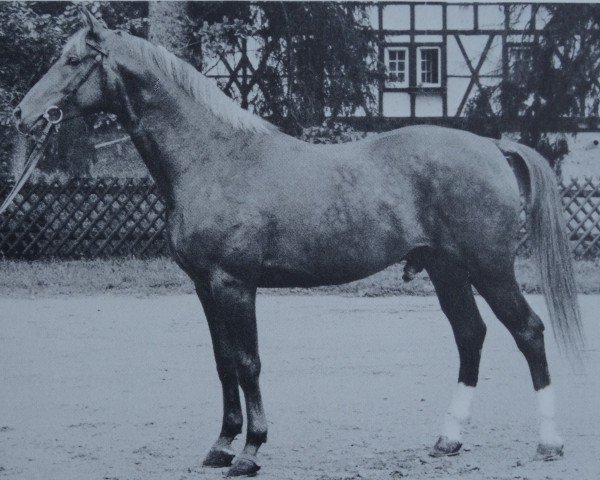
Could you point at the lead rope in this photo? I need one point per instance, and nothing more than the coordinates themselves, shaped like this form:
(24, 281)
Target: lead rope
(34, 157)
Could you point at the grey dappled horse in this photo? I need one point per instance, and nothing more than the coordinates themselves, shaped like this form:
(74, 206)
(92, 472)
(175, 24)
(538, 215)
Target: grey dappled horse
(249, 206)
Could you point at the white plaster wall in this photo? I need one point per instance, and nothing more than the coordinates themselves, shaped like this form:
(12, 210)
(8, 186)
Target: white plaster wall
(428, 17)
(373, 14)
(397, 38)
(456, 90)
(493, 62)
(474, 46)
(428, 105)
(460, 17)
(520, 16)
(429, 38)
(542, 17)
(491, 16)
(396, 104)
(396, 17)
(253, 50)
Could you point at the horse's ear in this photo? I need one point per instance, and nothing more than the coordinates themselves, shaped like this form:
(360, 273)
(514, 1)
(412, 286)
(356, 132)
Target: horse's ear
(91, 21)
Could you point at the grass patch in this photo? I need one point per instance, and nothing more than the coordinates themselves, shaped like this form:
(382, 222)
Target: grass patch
(161, 276)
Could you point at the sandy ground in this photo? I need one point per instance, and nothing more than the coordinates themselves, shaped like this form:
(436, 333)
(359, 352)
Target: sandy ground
(112, 387)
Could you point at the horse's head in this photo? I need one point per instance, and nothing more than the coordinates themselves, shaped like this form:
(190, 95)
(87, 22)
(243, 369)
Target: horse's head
(74, 85)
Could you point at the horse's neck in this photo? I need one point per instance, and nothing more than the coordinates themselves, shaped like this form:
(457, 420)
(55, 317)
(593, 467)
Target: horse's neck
(175, 135)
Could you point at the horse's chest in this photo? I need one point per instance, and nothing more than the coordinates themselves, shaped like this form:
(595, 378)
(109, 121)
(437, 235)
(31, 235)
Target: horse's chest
(191, 239)
(202, 240)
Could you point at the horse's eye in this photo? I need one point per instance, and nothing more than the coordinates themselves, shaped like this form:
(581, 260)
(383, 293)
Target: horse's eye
(72, 60)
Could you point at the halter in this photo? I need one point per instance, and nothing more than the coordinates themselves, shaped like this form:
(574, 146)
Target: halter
(53, 116)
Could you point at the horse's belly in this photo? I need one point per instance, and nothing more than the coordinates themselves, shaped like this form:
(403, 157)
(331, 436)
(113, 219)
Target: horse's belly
(278, 276)
(335, 250)
(314, 264)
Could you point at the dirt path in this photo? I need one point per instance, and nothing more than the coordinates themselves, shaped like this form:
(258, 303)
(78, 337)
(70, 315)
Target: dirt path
(122, 388)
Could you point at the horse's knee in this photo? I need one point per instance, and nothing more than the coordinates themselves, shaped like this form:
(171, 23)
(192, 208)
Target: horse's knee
(248, 370)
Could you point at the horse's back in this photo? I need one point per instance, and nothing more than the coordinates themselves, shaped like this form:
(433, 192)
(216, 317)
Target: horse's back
(411, 187)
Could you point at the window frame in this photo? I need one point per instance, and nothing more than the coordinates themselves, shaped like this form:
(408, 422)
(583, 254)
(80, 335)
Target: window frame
(419, 70)
(395, 83)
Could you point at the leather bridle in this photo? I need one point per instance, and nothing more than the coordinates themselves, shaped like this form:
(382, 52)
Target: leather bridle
(53, 116)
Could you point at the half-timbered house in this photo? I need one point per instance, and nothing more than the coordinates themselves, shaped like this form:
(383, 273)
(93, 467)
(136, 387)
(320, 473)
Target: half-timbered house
(437, 56)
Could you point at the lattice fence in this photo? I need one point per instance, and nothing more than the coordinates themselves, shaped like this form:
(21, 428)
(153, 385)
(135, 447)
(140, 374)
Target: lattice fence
(84, 218)
(581, 200)
(103, 217)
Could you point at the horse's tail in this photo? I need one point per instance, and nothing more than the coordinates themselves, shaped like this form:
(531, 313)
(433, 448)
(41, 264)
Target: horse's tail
(550, 246)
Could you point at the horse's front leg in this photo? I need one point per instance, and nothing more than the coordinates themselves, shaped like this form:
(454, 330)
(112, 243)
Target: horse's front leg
(221, 454)
(235, 302)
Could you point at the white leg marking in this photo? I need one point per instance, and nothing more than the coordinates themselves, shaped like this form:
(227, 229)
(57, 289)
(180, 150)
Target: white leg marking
(548, 432)
(458, 412)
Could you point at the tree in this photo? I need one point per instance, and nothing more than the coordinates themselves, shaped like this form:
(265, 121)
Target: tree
(314, 57)
(167, 25)
(563, 83)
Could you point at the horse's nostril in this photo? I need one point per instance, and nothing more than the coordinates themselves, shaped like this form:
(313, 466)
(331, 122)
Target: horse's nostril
(17, 113)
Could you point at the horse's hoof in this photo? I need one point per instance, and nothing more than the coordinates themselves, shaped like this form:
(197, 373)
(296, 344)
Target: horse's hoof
(218, 458)
(244, 466)
(548, 452)
(445, 447)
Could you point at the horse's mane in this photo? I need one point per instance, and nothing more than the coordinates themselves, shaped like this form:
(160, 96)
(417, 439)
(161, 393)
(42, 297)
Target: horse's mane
(192, 82)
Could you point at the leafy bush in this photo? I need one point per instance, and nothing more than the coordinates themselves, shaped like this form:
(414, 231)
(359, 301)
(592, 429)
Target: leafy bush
(479, 116)
(331, 133)
(554, 150)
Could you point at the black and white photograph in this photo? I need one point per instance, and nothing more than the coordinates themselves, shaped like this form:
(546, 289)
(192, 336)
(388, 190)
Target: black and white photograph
(299, 240)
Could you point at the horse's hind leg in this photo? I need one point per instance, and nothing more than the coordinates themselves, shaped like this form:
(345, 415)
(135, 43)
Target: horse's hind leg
(456, 299)
(504, 297)
(221, 454)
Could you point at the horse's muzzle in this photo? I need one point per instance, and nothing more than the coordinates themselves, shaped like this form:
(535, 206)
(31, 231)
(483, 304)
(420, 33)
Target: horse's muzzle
(53, 115)
(19, 123)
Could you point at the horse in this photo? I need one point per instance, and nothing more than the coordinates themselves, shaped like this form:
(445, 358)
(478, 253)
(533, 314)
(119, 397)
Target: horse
(250, 207)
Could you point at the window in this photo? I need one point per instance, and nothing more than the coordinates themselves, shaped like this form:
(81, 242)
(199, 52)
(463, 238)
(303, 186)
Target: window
(428, 67)
(408, 64)
(396, 61)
